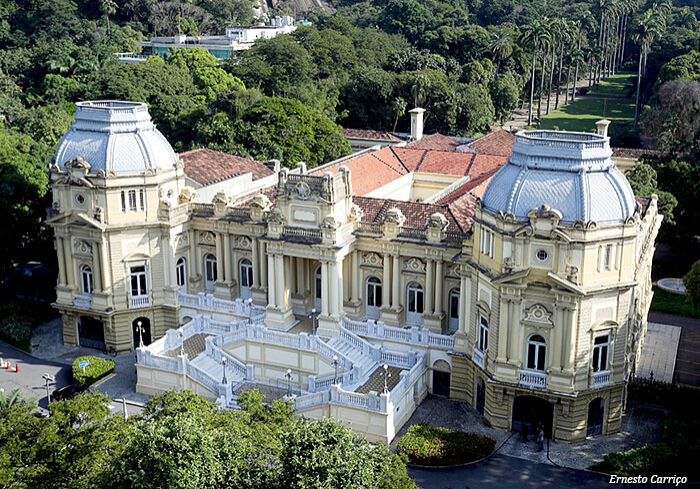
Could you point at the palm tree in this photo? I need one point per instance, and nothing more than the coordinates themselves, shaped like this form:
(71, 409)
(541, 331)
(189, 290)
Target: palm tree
(109, 7)
(398, 107)
(501, 46)
(14, 398)
(548, 41)
(565, 36)
(534, 35)
(647, 29)
(576, 57)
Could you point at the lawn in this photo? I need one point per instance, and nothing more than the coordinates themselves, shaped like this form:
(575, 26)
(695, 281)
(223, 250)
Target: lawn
(620, 84)
(664, 301)
(582, 114)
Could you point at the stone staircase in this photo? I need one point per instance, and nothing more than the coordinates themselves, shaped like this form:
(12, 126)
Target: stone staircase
(361, 361)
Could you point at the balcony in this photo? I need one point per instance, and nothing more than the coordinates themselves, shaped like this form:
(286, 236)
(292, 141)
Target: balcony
(139, 301)
(601, 378)
(533, 380)
(478, 358)
(84, 301)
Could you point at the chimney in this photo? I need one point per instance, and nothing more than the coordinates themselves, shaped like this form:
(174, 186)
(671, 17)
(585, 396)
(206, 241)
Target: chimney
(416, 123)
(273, 165)
(602, 126)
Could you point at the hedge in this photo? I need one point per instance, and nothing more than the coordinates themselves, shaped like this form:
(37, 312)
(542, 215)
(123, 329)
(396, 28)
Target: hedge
(649, 459)
(98, 368)
(429, 445)
(680, 398)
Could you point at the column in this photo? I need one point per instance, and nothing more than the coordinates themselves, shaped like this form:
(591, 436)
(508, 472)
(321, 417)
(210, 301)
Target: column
(462, 297)
(513, 326)
(300, 275)
(395, 283)
(264, 261)
(428, 287)
(324, 289)
(219, 259)
(570, 344)
(194, 260)
(61, 264)
(96, 269)
(355, 277)
(68, 257)
(386, 281)
(255, 261)
(333, 274)
(271, 299)
(341, 286)
(502, 331)
(279, 282)
(556, 361)
(438, 288)
(289, 276)
(105, 265)
(466, 298)
(166, 260)
(227, 258)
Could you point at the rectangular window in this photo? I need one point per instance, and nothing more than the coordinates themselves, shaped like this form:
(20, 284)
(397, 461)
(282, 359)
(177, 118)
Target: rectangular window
(487, 242)
(601, 346)
(607, 259)
(483, 341)
(132, 200)
(138, 281)
(123, 202)
(141, 199)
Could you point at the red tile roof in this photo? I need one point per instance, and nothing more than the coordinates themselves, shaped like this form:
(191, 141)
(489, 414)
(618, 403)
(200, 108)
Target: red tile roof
(446, 163)
(416, 213)
(206, 166)
(370, 134)
(435, 141)
(498, 142)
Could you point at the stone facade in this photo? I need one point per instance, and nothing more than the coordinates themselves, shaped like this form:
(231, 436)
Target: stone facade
(547, 315)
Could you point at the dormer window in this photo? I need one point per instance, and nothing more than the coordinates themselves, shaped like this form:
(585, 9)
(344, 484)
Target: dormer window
(129, 200)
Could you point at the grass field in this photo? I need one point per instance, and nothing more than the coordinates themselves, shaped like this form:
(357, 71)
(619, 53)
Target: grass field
(582, 114)
(664, 301)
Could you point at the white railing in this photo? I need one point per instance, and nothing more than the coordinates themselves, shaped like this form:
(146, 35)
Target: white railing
(414, 335)
(139, 301)
(83, 301)
(533, 380)
(202, 377)
(407, 379)
(478, 358)
(207, 302)
(398, 359)
(308, 401)
(601, 378)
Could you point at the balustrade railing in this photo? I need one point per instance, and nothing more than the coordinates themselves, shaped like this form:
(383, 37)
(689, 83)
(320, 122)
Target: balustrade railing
(306, 234)
(601, 378)
(412, 233)
(372, 228)
(533, 379)
(83, 301)
(478, 358)
(413, 335)
(138, 301)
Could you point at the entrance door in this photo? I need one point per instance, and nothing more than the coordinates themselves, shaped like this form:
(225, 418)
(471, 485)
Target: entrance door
(317, 289)
(414, 304)
(91, 333)
(144, 325)
(441, 383)
(480, 395)
(453, 323)
(246, 274)
(531, 411)
(209, 272)
(373, 299)
(596, 414)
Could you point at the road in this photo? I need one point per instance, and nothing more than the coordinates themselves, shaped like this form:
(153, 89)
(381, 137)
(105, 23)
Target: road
(503, 472)
(30, 382)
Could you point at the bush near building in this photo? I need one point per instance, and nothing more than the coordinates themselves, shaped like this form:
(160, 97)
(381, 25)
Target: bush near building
(17, 319)
(98, 368)
(429, 445)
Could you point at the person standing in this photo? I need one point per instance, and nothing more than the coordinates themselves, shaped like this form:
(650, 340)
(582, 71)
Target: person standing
(525, 433)
(540, 439)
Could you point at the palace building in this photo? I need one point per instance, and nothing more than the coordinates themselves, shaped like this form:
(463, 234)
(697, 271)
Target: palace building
(511, 272)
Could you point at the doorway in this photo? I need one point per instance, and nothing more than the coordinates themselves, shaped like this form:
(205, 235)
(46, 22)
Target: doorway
(480, 395)
(531, 411)
(596, 415)
(318, 286)
(91, 333)
(453, 322)
(414, 304)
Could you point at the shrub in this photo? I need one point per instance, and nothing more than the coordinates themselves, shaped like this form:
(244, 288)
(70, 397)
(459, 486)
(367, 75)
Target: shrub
(649, 459)
(16, 328)
(680, 398)
(98, 368)
(429, 445)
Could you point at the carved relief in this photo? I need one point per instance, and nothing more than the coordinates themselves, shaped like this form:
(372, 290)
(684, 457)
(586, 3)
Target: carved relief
(182, 240)
(372, 259)
(414, 265)
(81, 247)
(275, 216)
(207, 238)
(538, 314)
(437, 220)
(453, 270)
(356, 213)
(242, 242)
(395, 216)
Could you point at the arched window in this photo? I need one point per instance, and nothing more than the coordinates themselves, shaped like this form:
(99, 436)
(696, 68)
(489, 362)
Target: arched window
(415, 298)
(536, 353)
(374, 292)
(86, 279)
(210, 268)
(246, 273)
(181, 271)
(601, 346)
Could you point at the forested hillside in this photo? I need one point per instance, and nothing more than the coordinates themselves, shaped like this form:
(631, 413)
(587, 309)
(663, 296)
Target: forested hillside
(469, 63)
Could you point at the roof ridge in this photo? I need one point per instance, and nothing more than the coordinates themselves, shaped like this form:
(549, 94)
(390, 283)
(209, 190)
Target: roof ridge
(471, 163)
(382, 210)
(387, 164)
(422, 158)
(398, 158)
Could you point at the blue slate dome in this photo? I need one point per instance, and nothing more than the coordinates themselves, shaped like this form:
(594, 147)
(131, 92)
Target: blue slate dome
(116, 137)
(569, 171)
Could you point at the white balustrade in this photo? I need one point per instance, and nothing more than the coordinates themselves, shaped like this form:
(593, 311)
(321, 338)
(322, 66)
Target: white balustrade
(533, 379)
(601, 378)
(478, 358)
(84, 301)
(138, 301)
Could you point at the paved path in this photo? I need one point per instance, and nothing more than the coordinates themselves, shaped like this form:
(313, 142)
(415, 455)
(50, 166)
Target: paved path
(659, 352)
(688, 359)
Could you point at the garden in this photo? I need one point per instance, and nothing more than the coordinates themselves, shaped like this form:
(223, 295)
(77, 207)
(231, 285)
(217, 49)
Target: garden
(433, 446)
(96, 369)
(18, 319)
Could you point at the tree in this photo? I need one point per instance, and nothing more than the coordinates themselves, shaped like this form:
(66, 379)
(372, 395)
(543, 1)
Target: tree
(505, 93)
(325, 454)
(535, 35)
(673, 121)
(501, 46)
(685, 67)
(691, 280)
(108, 7)
(643, 180)
(13, 398)
(647, 29)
